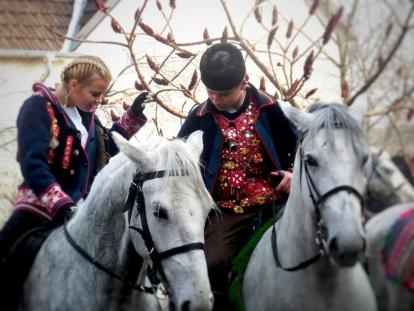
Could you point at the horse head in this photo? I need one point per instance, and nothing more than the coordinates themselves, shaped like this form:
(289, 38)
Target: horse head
(386, 183)
(168, 219)
(329, 165)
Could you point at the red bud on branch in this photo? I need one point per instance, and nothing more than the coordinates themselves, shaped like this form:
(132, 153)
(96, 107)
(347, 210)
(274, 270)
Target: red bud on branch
(225, 35)
(295, 52)
(313, 7)
(152, 64)
(139, 86)
(262, 84)
(289, 29)
(160, 38)
(100, 5)
(257, 14)
(274, 15)
(333, 22)
(170, 37)
(206, 37)
(307, 67)
(147, 29)
(293, 88)
(194, 80)
(160, 81)
(115, 26)
(185, 54)
(137, 12)
(344, 90)
(310, 93)
(271, 36)
(159, 6)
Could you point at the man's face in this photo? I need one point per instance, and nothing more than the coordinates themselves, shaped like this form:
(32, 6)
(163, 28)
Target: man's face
(227, 100)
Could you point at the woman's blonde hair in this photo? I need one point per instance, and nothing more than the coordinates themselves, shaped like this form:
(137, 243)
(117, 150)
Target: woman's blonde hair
(83, 68)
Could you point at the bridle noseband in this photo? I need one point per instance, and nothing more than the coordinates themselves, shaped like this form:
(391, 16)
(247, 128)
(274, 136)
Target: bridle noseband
(136, 195)
(317, 200)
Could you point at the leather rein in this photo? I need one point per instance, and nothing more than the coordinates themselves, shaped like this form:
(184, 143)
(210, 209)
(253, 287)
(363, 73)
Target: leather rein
(136, 195)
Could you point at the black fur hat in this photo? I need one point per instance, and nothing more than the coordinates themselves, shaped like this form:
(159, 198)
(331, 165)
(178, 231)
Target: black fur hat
(222, 67)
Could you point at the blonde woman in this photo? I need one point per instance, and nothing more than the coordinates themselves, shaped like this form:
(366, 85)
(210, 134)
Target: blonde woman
(62, 145)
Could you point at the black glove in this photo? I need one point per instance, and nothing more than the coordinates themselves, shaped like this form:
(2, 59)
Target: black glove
(138, 106)
(64, 211)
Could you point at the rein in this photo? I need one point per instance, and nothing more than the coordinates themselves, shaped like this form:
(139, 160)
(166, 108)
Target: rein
(321, 231)
(97, 264)
(136, 194)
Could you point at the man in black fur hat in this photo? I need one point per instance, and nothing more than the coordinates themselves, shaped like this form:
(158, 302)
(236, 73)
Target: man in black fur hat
(247, 138)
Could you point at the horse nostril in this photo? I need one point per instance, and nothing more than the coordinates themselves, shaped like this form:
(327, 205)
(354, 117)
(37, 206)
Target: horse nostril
(186, 306)
(333, 246)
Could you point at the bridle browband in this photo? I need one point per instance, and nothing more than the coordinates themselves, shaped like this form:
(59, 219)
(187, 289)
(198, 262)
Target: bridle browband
(317, 200)
(136, 195)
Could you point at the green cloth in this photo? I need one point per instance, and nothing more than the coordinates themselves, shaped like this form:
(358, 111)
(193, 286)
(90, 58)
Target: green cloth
(240, 264)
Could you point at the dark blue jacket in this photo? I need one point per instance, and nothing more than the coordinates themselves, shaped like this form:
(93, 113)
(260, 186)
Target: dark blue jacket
(62, 172)
(277, 134)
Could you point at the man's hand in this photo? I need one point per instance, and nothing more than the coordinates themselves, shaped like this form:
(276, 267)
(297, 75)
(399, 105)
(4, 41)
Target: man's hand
(284, 184)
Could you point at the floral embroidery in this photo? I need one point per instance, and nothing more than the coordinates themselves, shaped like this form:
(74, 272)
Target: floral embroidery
(242, 180)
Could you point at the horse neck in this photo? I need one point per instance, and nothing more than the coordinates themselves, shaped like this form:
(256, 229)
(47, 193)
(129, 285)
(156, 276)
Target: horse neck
(406, 193)
(296, 230)
(99, 223)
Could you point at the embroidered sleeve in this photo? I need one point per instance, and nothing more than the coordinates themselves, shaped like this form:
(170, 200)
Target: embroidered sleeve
(53, 198)
(47, 204)
(130, 123)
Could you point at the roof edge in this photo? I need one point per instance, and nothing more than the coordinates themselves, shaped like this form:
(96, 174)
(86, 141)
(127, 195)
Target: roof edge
(93, 23)
(35, 54)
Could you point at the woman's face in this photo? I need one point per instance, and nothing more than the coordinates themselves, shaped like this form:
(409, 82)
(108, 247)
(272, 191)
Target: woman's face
(85, 97)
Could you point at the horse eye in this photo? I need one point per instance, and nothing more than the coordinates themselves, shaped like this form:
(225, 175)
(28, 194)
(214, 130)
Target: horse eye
(310, 160)
(161, 213)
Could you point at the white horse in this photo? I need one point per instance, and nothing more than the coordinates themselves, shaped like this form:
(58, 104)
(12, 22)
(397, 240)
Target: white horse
(390, 295)
(171, 214)
(387, 185)
(390, 191)
(288, 270)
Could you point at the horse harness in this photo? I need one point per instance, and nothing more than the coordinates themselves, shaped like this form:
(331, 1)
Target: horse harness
(136, 195)
(317, 200)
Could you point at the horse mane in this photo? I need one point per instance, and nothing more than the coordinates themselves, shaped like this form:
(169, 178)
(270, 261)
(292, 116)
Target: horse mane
(178, 160)
(336, 116)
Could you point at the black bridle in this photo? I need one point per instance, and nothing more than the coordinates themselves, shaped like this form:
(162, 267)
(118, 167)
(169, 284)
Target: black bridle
(136, 195)
(321, 231)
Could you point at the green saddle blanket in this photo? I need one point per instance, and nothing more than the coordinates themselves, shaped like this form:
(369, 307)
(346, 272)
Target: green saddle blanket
(239, 266)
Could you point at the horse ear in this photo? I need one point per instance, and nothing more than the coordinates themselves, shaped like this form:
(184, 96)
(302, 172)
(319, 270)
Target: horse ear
(195, 140)
(132, 152)
(300, 118)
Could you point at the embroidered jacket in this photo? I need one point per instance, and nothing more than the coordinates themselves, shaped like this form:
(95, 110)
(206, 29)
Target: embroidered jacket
(276, 133)
(56, 168)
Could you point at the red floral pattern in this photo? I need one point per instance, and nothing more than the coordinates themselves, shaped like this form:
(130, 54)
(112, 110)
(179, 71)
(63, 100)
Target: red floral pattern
(46, 205)
(130, 123)
(242, 180)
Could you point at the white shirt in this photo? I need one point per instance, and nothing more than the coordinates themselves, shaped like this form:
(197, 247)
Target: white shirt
(74, 115)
